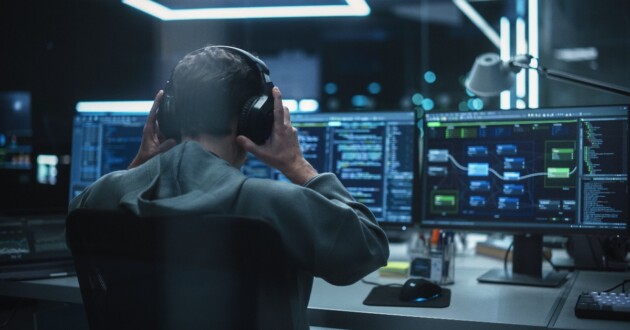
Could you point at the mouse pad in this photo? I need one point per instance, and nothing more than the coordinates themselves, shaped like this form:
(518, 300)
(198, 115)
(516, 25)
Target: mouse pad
(388, 296)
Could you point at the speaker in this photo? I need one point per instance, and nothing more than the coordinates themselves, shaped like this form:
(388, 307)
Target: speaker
(255, 119)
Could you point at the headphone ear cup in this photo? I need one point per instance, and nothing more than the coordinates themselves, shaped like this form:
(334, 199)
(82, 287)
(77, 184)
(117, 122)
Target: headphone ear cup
(256, 119)
(167, 120)
(243, 117)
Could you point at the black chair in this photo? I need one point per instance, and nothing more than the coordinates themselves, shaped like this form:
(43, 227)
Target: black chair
(184, 272)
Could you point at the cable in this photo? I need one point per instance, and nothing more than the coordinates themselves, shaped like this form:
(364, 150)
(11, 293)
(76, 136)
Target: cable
(505, 258)
(622, 285)
(593, 254)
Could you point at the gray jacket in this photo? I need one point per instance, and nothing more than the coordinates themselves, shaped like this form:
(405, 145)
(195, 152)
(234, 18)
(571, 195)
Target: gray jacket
(325, 231)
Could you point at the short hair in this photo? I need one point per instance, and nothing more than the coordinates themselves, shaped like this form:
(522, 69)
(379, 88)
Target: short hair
(210, 86)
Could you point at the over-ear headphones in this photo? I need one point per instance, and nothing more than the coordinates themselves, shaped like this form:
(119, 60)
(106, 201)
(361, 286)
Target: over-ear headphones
(255, 118)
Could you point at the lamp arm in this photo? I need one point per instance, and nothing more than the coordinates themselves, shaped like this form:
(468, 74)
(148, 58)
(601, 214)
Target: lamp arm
(567, 77)
(571, 78)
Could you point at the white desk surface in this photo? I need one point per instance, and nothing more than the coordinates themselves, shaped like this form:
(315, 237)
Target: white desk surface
(473, 305)
(589, 281)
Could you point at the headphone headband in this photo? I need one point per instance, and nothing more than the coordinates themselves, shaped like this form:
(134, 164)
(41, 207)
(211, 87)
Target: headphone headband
(256, 116)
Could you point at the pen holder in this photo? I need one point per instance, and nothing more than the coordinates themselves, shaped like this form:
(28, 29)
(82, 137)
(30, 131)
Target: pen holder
(437, 265)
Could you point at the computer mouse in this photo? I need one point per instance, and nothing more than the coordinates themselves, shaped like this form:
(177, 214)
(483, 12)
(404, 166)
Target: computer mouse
(419, 289)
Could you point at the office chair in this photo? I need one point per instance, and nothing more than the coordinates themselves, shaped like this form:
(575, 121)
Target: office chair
(181, 272)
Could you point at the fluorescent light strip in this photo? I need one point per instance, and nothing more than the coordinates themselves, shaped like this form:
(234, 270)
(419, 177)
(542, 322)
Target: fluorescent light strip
(115, 106)
(521, 48)
(532, 24)
(505, 39)
(353, 8)
(291, 104)
(308, 105)
(479, 21)
(505, 98)
(47, 160)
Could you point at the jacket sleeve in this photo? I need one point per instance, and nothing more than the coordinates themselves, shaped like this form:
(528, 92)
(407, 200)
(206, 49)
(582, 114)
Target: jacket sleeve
(324, 229)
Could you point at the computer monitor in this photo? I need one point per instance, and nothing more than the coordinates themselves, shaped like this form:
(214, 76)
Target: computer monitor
(527, 172)
(370, 152)
(16, 132)
(103, 142)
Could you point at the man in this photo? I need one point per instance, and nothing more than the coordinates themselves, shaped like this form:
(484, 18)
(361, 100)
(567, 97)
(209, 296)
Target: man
(324, 230)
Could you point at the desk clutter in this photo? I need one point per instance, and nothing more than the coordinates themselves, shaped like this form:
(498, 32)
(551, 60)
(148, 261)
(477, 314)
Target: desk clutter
(431, 264)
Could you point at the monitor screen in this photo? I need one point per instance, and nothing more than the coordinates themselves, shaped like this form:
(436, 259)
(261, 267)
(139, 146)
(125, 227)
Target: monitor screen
(102, 142)
(370, 152)
(528, 172)
(16, 133)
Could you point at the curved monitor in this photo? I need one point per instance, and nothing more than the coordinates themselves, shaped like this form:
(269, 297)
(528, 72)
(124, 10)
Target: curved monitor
(540, 171)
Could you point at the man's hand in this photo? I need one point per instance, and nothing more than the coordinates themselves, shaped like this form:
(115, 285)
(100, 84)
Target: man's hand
(282, 150)
(153, 142)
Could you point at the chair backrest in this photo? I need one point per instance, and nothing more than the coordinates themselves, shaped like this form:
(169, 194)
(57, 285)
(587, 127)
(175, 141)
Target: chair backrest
(184, 272)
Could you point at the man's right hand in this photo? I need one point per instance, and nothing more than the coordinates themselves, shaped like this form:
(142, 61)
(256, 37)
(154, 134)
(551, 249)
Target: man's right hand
(282, 150)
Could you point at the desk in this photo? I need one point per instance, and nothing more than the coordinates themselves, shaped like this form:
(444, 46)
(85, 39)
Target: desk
(473, 305)
(589, 281)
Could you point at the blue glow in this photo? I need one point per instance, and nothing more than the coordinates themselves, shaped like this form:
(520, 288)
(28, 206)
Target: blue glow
(374, 88)
(476, 104)
(330, 88)
(430, 77)
(360, 101)
(426, 299)
(462, 106)
(416, 99)
(469, 104)
(114, 106)
(351, 8)
(428, 104)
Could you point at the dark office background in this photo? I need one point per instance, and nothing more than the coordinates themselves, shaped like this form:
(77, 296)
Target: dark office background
(66, 51)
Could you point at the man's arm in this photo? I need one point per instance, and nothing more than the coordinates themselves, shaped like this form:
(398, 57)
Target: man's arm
(153, 142)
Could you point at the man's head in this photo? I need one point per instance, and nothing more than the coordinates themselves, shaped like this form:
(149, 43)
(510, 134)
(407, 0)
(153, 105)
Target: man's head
(209, 88)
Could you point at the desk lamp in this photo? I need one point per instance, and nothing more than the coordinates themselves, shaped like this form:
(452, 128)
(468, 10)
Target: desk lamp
(489, 75)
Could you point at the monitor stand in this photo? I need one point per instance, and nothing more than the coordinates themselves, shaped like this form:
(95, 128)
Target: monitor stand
(527, 259)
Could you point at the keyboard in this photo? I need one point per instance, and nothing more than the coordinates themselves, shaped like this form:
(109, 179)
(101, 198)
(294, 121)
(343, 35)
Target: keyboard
(603, 305)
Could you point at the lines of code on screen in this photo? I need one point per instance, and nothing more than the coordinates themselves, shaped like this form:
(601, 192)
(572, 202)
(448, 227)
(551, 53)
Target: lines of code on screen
(371, 154)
